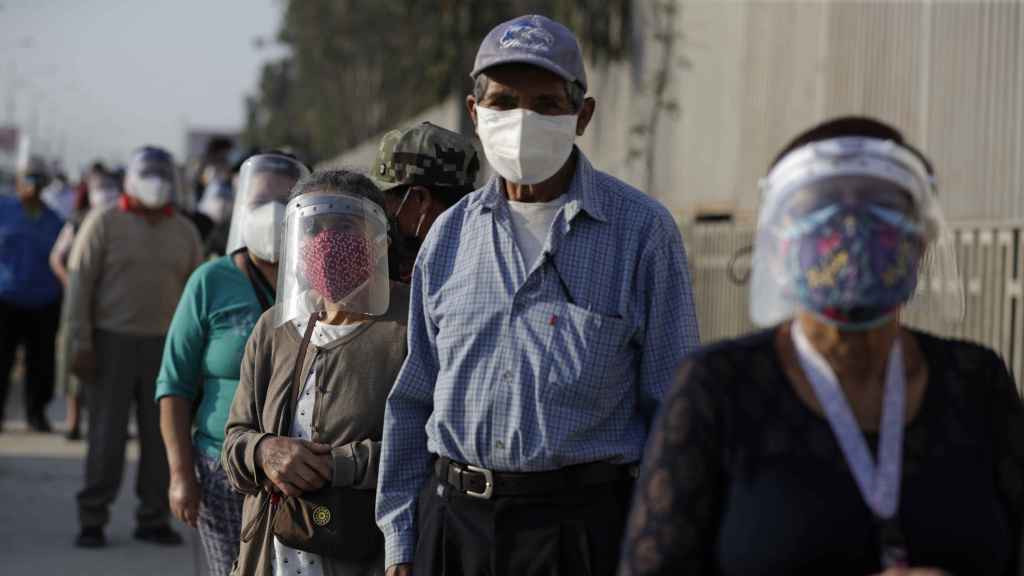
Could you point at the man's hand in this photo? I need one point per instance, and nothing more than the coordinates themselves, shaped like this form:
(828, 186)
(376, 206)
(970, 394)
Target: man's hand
(83, 365)
(183, 496)
(295, 466)
(399, 570)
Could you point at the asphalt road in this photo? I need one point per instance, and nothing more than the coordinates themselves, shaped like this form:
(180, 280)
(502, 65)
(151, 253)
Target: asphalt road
(39, 477)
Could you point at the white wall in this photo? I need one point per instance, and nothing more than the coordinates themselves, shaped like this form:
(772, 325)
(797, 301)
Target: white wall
(949, 75)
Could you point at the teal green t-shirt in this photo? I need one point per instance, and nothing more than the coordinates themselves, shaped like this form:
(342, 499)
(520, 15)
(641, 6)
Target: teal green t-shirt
(205, 343)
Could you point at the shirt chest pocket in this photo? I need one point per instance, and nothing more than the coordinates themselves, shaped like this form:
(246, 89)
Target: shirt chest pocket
(590, 358)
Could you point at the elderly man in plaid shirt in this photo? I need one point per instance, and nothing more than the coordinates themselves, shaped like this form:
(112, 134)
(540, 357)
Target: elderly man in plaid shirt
(549, 311)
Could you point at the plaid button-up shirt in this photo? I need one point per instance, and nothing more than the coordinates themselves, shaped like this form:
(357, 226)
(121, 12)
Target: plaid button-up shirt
(527, 368)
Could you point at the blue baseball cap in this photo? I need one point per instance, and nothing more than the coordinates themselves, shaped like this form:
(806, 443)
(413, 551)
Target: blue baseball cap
(151, 159)
(535, 40)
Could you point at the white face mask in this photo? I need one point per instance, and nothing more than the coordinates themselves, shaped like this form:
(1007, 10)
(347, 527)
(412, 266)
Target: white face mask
(103, 197)
(261, 231)
(523, 146)
(152, 191)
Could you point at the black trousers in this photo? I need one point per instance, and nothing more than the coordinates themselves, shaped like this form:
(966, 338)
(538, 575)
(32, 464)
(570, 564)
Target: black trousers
(36, 329)
(576, 532)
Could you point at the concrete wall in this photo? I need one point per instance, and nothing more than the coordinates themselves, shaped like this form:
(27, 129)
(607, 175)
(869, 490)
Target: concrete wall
(446, 114)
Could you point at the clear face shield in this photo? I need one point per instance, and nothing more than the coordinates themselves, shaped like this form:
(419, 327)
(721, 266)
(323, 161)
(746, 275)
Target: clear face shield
(264, 183)
(334, 256)
(850, 230)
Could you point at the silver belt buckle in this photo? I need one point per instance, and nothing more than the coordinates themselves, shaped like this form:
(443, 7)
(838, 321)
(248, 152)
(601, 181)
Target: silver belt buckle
(488, 483)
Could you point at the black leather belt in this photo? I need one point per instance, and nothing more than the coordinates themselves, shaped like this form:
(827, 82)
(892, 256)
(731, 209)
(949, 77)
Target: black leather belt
(482, 483)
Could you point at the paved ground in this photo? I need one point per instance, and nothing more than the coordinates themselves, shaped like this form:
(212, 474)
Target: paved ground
(39, 476)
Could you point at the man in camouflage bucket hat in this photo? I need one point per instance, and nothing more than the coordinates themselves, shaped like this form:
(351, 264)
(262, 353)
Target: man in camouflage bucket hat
(423, 171)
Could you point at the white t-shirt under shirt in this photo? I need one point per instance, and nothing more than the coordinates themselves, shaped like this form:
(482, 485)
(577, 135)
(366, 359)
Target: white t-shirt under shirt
(531, 222)
(289, 561)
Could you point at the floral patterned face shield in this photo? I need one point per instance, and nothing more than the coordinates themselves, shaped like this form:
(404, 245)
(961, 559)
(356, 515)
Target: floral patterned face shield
(854, 265)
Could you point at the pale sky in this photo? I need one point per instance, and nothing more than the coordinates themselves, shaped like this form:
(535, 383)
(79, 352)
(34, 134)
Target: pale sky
(105, 76)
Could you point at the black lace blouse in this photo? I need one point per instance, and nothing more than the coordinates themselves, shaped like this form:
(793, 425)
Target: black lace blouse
(741, 477)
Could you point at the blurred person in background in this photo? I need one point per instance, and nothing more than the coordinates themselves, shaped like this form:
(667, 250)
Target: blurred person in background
(217, 240)
(99, 190)
(29, 292)
(218, 201)
(549, 310)
(218, 309)
(303, 436)
(128, 266)
(423, 171)
(838, 441)
(59, 196)
(215, 160)
(217, 204)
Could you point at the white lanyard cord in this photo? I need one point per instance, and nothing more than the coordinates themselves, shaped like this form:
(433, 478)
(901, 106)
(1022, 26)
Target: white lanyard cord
(879, 486)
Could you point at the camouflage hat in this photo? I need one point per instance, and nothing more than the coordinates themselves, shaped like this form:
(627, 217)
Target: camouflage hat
(427, 155)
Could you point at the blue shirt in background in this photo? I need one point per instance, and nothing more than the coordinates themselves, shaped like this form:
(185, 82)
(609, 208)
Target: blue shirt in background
(26, 239)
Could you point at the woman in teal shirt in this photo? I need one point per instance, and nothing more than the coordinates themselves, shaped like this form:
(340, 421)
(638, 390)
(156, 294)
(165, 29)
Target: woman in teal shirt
(218, 310)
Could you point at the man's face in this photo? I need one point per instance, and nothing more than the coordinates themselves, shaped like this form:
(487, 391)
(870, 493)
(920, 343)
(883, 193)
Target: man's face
(529, 87)
(30, 185)
(404, 208)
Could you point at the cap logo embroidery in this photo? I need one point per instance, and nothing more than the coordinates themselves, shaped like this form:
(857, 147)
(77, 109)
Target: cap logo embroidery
(527, 37)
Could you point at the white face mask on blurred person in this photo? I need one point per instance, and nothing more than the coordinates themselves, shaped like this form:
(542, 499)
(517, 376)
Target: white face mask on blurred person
(261, 231)
(103, 196)
(525, 147)
(152, 191)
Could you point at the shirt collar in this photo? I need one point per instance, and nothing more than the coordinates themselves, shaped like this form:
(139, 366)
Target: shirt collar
(582, 195)
(125, 205)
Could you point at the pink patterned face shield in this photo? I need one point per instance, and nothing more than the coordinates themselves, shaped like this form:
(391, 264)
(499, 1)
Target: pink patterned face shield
(337, 262)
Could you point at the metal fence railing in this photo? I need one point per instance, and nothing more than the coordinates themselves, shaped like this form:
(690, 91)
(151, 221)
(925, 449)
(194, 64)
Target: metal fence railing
(988, 256)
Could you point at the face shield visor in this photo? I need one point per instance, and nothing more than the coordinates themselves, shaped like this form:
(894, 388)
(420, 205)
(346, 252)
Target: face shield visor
(850, 230)
(152, 179)
(334, 255)
(264, 183)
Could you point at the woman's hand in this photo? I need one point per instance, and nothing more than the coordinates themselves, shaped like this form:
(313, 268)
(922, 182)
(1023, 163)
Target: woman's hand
(183, 495)
(295, 466)
(399, 570)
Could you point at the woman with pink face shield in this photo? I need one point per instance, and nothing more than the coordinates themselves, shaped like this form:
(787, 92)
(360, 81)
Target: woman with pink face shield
(303, 435)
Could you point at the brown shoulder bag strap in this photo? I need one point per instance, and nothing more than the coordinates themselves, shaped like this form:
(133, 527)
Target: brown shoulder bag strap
(297, 382)
(285, 423)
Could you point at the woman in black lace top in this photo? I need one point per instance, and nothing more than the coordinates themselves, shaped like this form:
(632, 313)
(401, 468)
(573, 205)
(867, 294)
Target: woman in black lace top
(836, 442)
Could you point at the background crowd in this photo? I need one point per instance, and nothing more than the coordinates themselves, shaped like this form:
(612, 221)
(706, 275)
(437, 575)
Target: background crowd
(481, 355)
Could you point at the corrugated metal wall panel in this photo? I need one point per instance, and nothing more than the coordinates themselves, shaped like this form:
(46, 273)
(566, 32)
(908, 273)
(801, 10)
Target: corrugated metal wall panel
(950, 75)
(988, 256)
